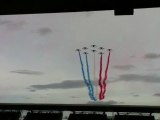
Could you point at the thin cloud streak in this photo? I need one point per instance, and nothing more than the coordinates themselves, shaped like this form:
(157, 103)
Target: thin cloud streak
(27, 72)
(152, 56)
(67, 84)
(135, 95)
(44, 31)
(74, 84)
(138, 78)
(123, 67)
(157, 94)
(12, 25)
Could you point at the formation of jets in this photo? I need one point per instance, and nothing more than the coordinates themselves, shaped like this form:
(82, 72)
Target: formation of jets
(93, 50)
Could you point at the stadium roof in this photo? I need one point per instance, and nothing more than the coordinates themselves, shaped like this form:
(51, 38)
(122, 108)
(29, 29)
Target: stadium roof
(82, 107)
(9, 7)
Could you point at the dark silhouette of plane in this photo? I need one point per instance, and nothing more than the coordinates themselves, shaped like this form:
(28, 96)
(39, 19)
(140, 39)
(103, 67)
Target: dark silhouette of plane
(94, 51)
(78, 50)
(93, 46)
(101, 48)
(85, 53)
(101, 53)
(85, 48)
(109, 49)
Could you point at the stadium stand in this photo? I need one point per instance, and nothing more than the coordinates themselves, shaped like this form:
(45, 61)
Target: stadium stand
(77, 112)
(133, 117)
(9, 115)
(43, 116)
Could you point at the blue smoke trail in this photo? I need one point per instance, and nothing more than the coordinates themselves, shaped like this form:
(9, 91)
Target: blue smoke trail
(89, 79)
(83, 73)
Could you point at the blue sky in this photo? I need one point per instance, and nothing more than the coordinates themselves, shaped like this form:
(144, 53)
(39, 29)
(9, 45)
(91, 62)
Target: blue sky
(39, 63)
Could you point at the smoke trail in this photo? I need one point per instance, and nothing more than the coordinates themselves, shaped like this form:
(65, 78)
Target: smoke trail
(83, 73)
(106, 75)
(89, 79)
(94, 75)
(100, 77)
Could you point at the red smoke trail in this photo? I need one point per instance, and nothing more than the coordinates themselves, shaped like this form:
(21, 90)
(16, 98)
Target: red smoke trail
(106, 76)
(100, 78)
